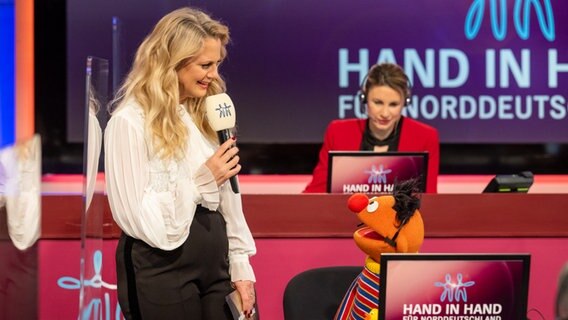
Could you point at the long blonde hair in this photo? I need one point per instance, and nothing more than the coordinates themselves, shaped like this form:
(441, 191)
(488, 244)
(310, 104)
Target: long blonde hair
(175, 40)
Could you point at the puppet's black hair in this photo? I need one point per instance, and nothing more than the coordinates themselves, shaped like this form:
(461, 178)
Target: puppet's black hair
(406, 199)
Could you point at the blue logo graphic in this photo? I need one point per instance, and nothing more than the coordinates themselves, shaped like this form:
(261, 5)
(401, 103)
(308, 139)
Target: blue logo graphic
(94, 309)
(452, 290)
(224, 110)
(521, 17)
(377, 176)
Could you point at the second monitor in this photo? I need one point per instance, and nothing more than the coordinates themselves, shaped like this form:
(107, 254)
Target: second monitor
(374, 172)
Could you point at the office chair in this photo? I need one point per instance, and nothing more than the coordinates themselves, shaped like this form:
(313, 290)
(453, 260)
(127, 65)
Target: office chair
(315, 294)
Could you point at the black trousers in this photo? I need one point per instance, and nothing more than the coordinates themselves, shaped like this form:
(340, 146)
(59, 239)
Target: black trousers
(190, 282)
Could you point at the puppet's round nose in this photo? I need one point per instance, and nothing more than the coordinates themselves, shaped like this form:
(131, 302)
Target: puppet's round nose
(357, 202)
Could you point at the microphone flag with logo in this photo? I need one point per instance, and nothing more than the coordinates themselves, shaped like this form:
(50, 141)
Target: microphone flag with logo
(220, 112)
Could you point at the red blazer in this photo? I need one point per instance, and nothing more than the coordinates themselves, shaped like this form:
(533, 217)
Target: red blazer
(346, 135)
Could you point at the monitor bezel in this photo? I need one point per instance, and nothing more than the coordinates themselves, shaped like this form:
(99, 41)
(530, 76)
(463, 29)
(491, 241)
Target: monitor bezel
(525, 258)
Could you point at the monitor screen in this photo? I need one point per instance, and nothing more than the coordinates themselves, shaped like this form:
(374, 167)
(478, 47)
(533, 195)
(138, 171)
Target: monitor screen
(374, 172)
(462, 286)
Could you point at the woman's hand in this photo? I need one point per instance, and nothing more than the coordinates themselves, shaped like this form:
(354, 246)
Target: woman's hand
(246, 290)
(224, 163)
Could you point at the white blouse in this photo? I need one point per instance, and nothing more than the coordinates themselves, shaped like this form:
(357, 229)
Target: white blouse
(154, 200)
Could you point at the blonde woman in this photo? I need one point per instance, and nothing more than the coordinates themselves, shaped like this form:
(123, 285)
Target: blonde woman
(185, 242)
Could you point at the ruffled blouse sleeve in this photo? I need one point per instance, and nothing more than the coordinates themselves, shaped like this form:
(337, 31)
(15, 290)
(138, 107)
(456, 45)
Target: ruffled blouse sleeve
(241, 242)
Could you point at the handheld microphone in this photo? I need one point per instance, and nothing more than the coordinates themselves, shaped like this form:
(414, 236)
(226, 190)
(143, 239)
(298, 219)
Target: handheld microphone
(221, 117)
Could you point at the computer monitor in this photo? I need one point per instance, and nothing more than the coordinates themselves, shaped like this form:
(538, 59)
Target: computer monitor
(443, 285)
(374, 172)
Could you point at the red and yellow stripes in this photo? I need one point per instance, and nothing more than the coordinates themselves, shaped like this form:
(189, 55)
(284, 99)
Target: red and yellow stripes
(361, 297)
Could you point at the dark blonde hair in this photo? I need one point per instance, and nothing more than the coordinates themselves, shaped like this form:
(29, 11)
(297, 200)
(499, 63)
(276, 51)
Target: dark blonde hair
(388, 74)
(175, 40)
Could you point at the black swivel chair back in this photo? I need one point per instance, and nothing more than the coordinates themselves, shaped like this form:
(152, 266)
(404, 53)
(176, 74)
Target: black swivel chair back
(315, 294)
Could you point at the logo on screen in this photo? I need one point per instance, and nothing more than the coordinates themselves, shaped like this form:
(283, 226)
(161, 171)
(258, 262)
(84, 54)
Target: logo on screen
(454, 290)
(377, 175)
(224, 110)
(521, 17)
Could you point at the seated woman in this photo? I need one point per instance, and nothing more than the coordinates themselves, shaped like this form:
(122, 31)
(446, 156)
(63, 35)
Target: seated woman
(385, 91)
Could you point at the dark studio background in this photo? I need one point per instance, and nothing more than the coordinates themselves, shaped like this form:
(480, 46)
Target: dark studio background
(61, 156)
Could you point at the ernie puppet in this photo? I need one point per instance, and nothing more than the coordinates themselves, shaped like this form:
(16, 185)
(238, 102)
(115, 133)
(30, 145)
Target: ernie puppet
(392, 223)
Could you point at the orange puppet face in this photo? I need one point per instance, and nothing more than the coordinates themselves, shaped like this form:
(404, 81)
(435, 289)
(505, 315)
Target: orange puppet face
(383, 232)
